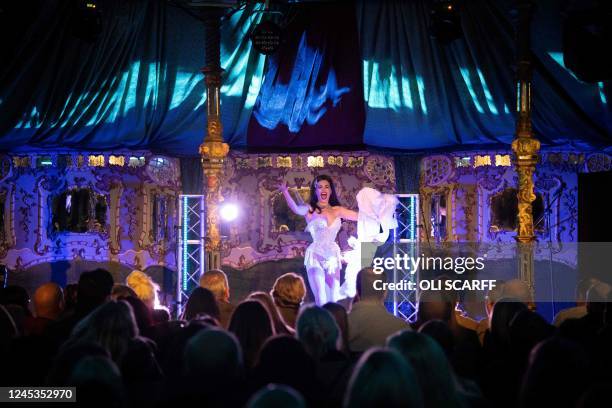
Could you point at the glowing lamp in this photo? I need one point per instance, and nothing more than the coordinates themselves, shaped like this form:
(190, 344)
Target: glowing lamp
(229, 212)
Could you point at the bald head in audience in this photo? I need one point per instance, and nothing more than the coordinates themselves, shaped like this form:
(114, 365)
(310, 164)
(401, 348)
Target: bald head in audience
(519, 290)
(596, 297)
(49, 301)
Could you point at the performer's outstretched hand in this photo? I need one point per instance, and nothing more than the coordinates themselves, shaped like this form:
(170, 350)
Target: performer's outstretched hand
(299, 209)
(282, 186)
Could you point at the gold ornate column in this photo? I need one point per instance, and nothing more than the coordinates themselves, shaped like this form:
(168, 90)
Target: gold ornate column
(213, 150)
(525, 147)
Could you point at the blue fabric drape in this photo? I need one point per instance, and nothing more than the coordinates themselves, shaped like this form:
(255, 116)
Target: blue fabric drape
(348, 74)
(422, 95)
(138, 85)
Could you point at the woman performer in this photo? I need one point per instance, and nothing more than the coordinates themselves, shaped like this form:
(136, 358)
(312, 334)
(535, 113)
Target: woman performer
(323, 259)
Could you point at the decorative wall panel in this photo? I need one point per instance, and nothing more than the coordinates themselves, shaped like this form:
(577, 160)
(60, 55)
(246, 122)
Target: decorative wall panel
(129, 219)
(472, 180)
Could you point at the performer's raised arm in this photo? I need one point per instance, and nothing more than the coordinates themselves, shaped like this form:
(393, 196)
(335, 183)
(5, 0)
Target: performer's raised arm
(299, 209)
(347, 214)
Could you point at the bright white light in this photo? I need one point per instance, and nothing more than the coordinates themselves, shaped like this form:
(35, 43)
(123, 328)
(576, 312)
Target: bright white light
(229, 211)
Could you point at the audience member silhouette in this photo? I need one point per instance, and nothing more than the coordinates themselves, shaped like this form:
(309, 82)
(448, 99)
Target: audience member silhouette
(252, 326)
(144, 286)
(341, 317)
(284, 360)
(383, 378)
(369, 321)
(48, 307)
(215, 355)
(280, 327)
(431, 367)
(201, 302)
(288, 293)
(276, 396)
(320, 335)
(15, 295)
(112, 325)
(215, 280)
(98, 382)
(557, 375)
(120, 291)
(111, 348)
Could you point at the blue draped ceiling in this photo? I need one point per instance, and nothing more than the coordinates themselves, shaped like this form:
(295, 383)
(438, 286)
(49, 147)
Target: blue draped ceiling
(363, 73)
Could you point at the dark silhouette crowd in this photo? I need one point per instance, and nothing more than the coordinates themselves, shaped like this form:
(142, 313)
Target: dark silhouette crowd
(120, 349)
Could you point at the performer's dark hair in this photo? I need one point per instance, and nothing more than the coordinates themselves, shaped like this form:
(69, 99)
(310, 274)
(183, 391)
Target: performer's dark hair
(333, 198)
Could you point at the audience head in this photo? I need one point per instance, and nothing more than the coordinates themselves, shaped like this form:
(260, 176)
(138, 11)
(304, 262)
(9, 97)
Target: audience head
(289, 290)
(596, 298)
(365, 286)
(215, 280)
(68, 357)
(145, 288)
(276, 396)
(430, 365)
(252, 325)
(284, 360)
(519, 290)
(8, 327)
(120, 291)
(112, 325)
(582, 287)
(15, 295)
(70, 296)
(142, 313)
(48, 301)
(441, 333)
(557, 375)
(214, 354)
(160, 316)
(527, 329)
(317, 330)
(383, 378)
(434, 305)
(99, 382)
(280, 326)
(94, 289)
(201, 302)
(339, 313)
(139, 365)
(180, 334)
(503, 312)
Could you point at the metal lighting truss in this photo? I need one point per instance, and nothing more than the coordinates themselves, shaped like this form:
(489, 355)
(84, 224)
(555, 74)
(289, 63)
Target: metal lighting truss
(192, 230)
(405, 242)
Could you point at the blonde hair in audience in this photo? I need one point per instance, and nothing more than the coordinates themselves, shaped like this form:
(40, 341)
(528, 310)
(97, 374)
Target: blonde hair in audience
(145, 288)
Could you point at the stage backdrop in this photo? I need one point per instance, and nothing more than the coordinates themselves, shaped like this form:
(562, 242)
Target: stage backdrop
(65, 212)
(469, 197)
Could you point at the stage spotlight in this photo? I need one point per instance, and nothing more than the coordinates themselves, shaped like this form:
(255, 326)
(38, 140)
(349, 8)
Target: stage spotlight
(445, 21)
(229, 212)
